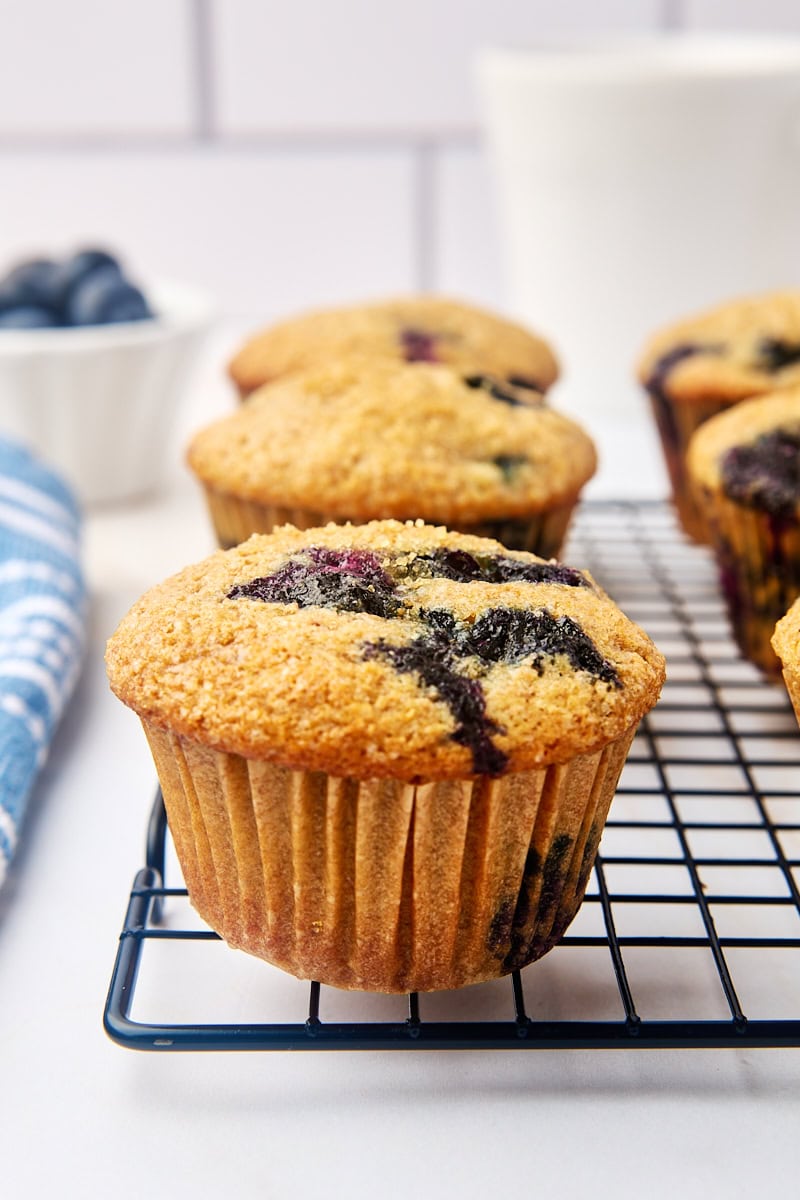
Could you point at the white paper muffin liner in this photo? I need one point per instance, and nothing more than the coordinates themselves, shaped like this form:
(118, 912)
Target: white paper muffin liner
(235, 519)
(384, 885)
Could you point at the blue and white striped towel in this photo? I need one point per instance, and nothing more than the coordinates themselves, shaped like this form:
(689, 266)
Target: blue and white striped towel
(42, 624)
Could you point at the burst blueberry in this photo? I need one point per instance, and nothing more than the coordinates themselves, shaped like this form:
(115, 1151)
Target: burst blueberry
(457, 565)
(495, 388)
(511, 635)
(462, 567)
(430, 658)
(419, 345)
(516, 570)
(777, 353)
(344, 580)
(765, 474)
(356, 581)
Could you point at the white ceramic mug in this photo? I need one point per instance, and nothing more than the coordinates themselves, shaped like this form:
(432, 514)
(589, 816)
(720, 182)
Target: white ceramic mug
(639, 180)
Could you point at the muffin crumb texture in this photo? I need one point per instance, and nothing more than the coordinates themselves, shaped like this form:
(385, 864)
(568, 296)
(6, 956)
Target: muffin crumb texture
(386, 648)
(361, 440)
(408, 329)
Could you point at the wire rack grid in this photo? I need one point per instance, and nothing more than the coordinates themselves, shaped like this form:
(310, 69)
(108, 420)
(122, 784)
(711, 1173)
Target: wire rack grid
(689, 935)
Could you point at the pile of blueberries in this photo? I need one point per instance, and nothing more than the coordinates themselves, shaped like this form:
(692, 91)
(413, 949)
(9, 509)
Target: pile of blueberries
(87, 288)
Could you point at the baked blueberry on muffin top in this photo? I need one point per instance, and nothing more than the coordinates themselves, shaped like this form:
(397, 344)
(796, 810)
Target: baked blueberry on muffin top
(444, 653)
(765, 473)
(405, 647)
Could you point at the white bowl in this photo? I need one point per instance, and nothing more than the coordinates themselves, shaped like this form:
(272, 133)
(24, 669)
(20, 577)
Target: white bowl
(99, 402)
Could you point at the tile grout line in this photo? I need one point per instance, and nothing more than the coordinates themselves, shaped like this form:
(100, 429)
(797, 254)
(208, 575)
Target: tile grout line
(424, 214)
(203, 70)
(290, 142)
(672, 15)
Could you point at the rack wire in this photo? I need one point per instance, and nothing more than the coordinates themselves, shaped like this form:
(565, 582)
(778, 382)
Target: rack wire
(689, 935)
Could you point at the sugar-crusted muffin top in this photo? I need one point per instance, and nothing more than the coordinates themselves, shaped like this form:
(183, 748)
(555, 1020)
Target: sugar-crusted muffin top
(740, 349)
(386, 649)
(362, 439)
(751, 453)
(403, 329)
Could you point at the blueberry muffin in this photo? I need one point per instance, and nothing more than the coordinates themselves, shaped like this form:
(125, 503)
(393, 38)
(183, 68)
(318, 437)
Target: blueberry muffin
(744, 466)
(363, 439)
(387, 751)
(703, 365)
(407, 329)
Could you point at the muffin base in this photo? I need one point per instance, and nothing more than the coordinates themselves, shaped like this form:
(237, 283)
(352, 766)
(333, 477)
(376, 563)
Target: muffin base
(235, 519)
(676, 423)
(758, 557)
(383, 885)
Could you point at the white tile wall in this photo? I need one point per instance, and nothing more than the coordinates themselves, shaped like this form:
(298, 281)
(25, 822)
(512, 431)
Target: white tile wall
(754, 15)
(265, 234)
(362, 64)
(95, 67)
(281, 155)
(467, 255)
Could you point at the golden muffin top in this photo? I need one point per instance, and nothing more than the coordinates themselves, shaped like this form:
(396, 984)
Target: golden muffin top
(385, 650)
(740, 349)
(364, 439)
(418, 328)
(751, 453)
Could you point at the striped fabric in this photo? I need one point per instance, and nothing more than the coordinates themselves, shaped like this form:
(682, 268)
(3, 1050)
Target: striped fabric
(42, 624)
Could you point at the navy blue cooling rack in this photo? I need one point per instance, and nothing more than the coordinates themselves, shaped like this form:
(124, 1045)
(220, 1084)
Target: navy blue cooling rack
(689, 935)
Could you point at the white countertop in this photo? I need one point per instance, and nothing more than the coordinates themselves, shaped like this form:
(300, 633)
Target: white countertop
(81, 1116)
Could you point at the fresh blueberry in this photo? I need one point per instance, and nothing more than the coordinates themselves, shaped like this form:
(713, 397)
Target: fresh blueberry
(30, 283)
(27, 316)
(76, 269)
(104, 297)
(765, 474)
